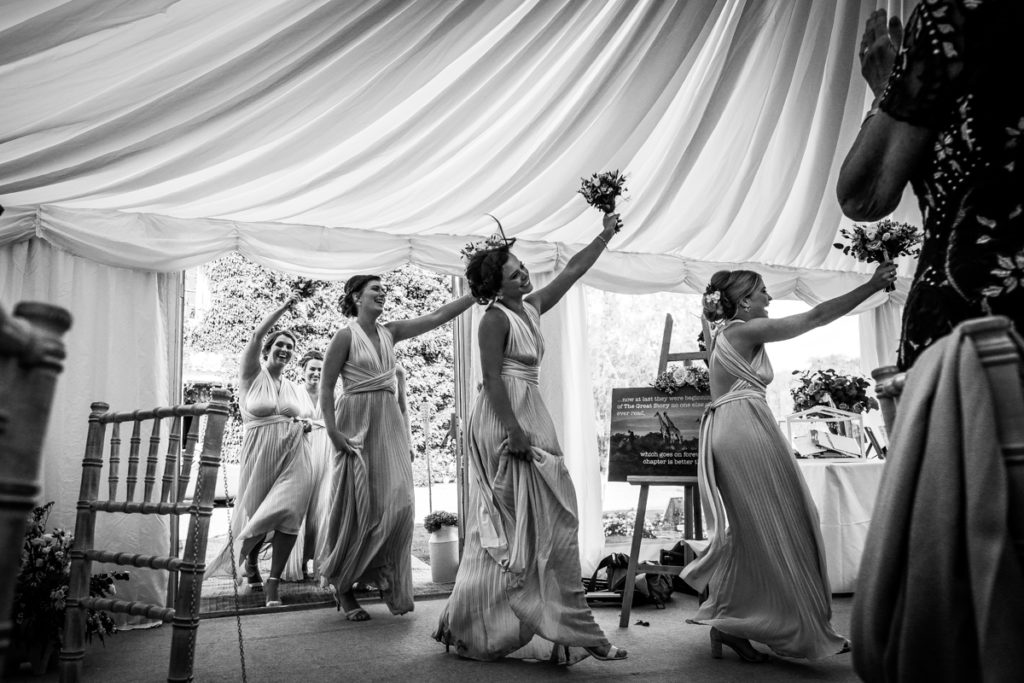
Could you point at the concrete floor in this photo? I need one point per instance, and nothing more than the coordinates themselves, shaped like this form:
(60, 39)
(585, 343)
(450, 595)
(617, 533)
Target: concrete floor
(319, 645)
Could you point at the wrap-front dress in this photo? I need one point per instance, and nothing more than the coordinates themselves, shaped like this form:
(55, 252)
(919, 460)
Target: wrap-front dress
(275, 482)
(519, 590)
(764, 566)
(366, 531)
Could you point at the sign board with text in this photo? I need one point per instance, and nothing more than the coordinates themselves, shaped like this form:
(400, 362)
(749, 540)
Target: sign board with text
(654, 433)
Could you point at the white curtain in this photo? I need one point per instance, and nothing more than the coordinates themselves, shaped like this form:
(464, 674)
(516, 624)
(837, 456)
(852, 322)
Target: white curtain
(118, 352)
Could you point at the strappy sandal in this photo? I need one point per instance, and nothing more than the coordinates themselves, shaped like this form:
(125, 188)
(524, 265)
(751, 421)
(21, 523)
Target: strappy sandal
(357, 614)
(614, 654)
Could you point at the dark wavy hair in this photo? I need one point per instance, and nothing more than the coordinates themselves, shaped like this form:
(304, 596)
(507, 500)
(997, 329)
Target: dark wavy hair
(354, 286)
(310, 355)
(733, 286)
(484, 272)
(269, 340)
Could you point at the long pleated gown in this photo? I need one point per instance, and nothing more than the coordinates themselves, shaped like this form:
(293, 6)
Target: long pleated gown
(366, 533)
(519, 592)
(765, 563)
(275, 481)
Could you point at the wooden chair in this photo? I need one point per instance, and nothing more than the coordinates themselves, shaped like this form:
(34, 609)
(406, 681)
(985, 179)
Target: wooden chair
(31, 358)
(1000, 350)
(176, 473)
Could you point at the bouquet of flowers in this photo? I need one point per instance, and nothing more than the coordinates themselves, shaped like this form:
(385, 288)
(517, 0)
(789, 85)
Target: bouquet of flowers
(435, 520)
(304, 288)
(601, 189)
(672, 381)
(883, 241)
(41, 590)
(818, 387)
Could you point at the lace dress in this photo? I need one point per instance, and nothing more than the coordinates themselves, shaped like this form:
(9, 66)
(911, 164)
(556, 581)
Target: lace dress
(519, 592)
(765, 564)
(366, 530)
(953, 77)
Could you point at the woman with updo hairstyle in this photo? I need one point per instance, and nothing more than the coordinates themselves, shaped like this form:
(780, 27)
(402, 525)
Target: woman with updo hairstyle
(367, 524)
(518, 591)
(275, 481)
(764, 566)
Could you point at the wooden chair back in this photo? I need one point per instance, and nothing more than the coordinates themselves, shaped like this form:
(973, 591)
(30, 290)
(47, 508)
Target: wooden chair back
(31, 358)
(173, 469)
(1001, 351)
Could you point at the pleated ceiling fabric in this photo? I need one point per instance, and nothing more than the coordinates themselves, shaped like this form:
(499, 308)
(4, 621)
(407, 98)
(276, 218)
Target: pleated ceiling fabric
(156, 134)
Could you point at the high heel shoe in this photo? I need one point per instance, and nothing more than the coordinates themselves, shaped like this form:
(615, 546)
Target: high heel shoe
(741, 646)
(273, 597)
(253, 577)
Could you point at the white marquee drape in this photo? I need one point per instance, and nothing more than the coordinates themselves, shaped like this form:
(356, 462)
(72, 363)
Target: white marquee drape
(323, 138)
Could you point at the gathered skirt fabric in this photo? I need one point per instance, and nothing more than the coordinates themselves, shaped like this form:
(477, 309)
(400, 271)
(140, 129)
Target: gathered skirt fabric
(519, 591)
(275, 484)
(766, 576)
(365, 532)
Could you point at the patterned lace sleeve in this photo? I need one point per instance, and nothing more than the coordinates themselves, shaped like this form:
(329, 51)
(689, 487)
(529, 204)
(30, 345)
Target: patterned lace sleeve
(925, 80)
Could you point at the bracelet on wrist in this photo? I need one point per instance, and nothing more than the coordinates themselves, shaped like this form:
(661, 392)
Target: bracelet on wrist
(603, 240)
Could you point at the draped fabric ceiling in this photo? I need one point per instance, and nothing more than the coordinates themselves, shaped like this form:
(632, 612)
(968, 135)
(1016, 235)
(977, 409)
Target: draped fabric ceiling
(322, 138)
(326, 138)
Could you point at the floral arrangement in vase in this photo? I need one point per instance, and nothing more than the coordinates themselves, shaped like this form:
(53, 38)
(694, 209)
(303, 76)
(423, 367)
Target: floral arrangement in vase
(41, 590)
(819, 387)
(694, 376)
(435, 520)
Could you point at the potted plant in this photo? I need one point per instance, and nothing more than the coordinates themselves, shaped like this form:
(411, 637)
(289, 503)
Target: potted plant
(41, 591)
(444, 545)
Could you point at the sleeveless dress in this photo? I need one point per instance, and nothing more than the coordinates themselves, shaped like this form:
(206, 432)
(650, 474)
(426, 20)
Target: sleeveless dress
(275, 482)
(321, 453)
(519, 591)
(764, 566)
(366, 531)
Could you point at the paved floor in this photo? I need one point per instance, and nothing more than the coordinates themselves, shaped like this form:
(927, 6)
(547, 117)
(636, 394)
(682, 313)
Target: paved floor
(319, 645)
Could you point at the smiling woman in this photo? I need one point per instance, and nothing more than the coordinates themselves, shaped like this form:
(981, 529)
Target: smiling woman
(275, 482)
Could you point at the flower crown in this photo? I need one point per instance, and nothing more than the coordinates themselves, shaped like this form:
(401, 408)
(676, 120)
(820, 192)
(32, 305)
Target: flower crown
(495, 241)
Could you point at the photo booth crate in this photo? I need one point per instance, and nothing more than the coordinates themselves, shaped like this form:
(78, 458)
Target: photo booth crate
(824, 432)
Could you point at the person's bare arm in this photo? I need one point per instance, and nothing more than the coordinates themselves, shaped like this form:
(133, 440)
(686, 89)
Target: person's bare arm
(406, 329)
(545, 298)
(745, 338)
(334, 360)
(249, 366)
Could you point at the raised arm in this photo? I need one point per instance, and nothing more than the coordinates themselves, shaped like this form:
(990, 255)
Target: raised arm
(406, 329)
(493, 331)
(745, 338)
(546, 298)
(887, 151)
(334, 360)
(250, 361)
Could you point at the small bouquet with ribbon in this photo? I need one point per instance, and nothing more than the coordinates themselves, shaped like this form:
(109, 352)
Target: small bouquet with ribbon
(881, 242)
(602, 189)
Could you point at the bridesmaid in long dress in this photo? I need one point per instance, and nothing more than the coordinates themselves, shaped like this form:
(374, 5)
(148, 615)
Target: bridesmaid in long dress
(274, 483)
(367, 533)
(765, 564)
(320, 456)
(519, 591)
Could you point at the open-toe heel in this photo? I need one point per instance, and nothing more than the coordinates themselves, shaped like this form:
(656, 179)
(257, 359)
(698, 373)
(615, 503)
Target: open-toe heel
(272, 590)
(613, 654)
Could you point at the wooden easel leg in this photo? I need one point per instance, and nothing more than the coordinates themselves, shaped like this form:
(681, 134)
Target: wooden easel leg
(634, 555)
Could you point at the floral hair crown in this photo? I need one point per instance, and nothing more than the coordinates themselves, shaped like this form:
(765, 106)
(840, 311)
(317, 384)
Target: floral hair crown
(495, 241)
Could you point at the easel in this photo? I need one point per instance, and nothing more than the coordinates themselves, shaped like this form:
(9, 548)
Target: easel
(693, 526)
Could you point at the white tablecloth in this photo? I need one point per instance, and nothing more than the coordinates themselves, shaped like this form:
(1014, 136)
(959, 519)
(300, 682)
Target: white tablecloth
(844, 492)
